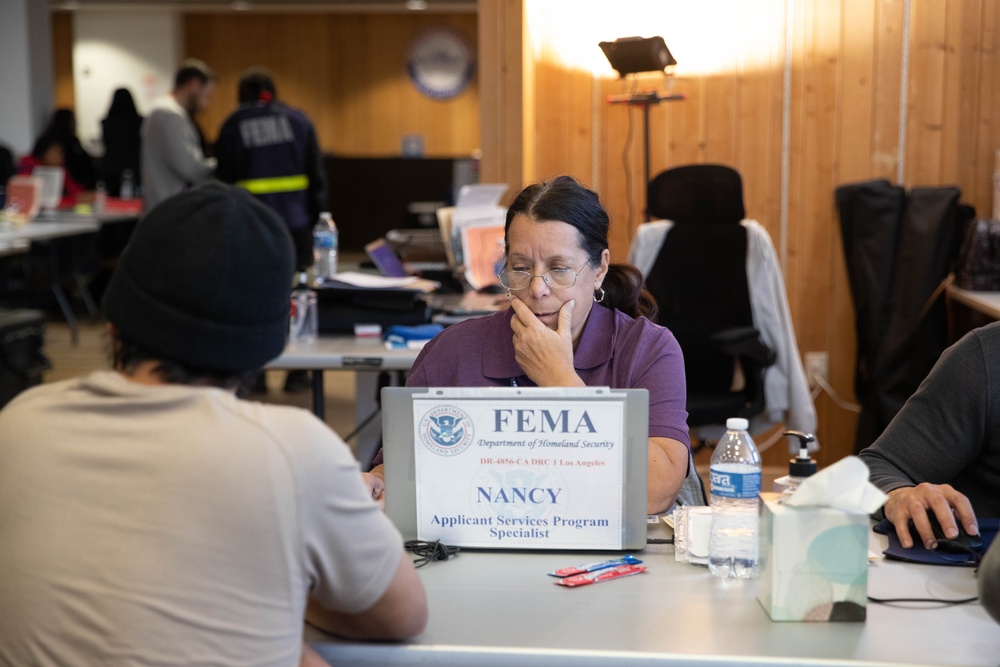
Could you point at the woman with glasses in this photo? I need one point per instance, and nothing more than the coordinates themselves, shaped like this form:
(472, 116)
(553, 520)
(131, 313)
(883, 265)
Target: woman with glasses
(574, 319)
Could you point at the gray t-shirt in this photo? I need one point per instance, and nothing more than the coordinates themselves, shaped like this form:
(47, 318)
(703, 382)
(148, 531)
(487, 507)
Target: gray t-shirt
(948, 432)
(155, 525)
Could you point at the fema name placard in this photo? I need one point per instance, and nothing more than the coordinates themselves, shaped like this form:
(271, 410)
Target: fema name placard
(513, 474)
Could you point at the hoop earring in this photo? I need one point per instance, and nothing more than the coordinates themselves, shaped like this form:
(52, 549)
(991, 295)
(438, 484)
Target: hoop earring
(601, 298)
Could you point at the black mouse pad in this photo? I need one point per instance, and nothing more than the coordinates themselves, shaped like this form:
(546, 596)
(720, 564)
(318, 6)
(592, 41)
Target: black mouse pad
(919, 554)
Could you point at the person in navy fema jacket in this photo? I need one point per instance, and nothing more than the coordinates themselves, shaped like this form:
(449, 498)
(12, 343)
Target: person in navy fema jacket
(270, 149)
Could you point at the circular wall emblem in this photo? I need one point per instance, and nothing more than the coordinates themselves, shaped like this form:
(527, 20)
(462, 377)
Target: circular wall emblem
(446, 430)
(440, 63)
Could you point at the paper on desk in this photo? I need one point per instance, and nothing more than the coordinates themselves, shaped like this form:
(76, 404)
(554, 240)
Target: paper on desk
(358, 279)
(843, 486)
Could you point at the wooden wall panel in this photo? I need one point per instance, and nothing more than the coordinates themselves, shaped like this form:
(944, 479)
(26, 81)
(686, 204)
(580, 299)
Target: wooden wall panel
(760, 74)
(506, 69)
(719, 135)
(927, 92)
(886, 87)
(812, 238)
(962, 92)
(985, 128)
(346, 71)
(64, 94)
(620, 161)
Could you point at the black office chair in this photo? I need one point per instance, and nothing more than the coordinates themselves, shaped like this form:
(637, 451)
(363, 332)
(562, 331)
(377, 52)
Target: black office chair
(700, 283)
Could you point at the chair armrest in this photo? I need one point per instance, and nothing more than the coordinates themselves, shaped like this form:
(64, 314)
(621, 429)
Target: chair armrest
(744, 342)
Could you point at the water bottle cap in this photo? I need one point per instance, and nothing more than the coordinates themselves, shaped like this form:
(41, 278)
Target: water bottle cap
(737, 424)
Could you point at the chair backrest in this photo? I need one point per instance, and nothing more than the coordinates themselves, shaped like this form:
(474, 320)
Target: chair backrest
(699, 278)
(711, 193)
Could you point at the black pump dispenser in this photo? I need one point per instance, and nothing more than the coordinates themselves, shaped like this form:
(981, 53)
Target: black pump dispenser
(802, 465)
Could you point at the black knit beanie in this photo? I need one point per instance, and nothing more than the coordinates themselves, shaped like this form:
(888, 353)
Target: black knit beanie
(205, 281)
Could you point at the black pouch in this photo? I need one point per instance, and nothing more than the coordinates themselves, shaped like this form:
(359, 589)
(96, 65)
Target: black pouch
(341, 306)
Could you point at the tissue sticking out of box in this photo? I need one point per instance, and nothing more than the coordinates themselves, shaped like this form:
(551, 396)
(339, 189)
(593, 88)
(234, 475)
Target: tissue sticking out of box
(843, 486)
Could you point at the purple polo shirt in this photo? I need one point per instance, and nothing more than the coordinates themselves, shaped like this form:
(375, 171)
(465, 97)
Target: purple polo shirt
(614, 351)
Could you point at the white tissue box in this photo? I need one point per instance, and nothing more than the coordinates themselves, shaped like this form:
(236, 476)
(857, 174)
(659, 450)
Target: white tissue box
(813, 562)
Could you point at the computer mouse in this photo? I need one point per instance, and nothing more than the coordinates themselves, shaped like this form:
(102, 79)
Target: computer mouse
(962, 543)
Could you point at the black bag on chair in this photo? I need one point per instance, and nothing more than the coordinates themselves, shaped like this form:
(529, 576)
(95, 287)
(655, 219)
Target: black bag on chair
(899, 246)
(979, 259)
(21, 360)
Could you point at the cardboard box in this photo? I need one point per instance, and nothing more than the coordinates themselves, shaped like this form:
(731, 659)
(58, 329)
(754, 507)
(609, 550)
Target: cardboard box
(813, 562)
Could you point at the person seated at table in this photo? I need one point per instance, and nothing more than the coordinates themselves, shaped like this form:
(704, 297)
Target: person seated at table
(151, 517)
(941, 452)
(575, 320)
(79, 163)
(48, 152)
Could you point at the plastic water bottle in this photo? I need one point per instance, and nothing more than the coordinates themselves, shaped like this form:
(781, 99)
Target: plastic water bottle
(325, 244)
(127, 190)
(735, 482)
(100, 199)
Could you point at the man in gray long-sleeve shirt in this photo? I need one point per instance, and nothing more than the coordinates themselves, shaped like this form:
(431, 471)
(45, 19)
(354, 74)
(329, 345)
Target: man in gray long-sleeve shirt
(172, 157)
(942, 451)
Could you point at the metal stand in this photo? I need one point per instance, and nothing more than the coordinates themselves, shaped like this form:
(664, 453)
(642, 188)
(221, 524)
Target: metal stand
(645, 100)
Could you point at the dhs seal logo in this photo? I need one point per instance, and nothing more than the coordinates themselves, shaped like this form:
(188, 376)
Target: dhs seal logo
(446, 430)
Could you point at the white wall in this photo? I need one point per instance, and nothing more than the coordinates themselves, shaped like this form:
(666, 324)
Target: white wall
(25, 72)
(138, 50)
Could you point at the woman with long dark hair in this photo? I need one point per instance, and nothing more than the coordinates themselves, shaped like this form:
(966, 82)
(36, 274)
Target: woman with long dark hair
(120, 133)
(77, 161)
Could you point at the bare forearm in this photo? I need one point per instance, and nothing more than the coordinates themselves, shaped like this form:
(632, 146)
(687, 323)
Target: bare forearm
(399, 614)
(667, 468)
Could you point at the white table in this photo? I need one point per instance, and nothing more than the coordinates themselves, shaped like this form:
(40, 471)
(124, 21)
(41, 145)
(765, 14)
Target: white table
(987, 303)
(56, 226)
(494, 609)
(46, 230)
(366, 356)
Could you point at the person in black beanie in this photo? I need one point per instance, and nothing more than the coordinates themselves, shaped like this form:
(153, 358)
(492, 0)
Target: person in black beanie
(202, 288)
(184, 524)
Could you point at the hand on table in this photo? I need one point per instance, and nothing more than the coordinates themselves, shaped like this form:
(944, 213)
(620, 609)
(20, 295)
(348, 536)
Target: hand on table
(546, 356)
(913, 502)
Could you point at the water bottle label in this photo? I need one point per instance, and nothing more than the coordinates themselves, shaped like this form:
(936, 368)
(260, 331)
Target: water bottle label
(734, 484)
(325, 241)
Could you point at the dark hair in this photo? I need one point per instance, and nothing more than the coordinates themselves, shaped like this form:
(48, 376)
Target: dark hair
(565, 199)
(43, 143)
(126, 355)
(193, 70)
(62, 124)
(122, 105)
(253, 82)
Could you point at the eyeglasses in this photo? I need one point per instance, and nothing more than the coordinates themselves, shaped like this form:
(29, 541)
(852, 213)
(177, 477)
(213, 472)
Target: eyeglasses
(558, 278)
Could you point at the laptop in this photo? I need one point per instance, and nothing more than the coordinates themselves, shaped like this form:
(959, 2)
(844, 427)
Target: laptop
(385, 259)
(570, 488)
